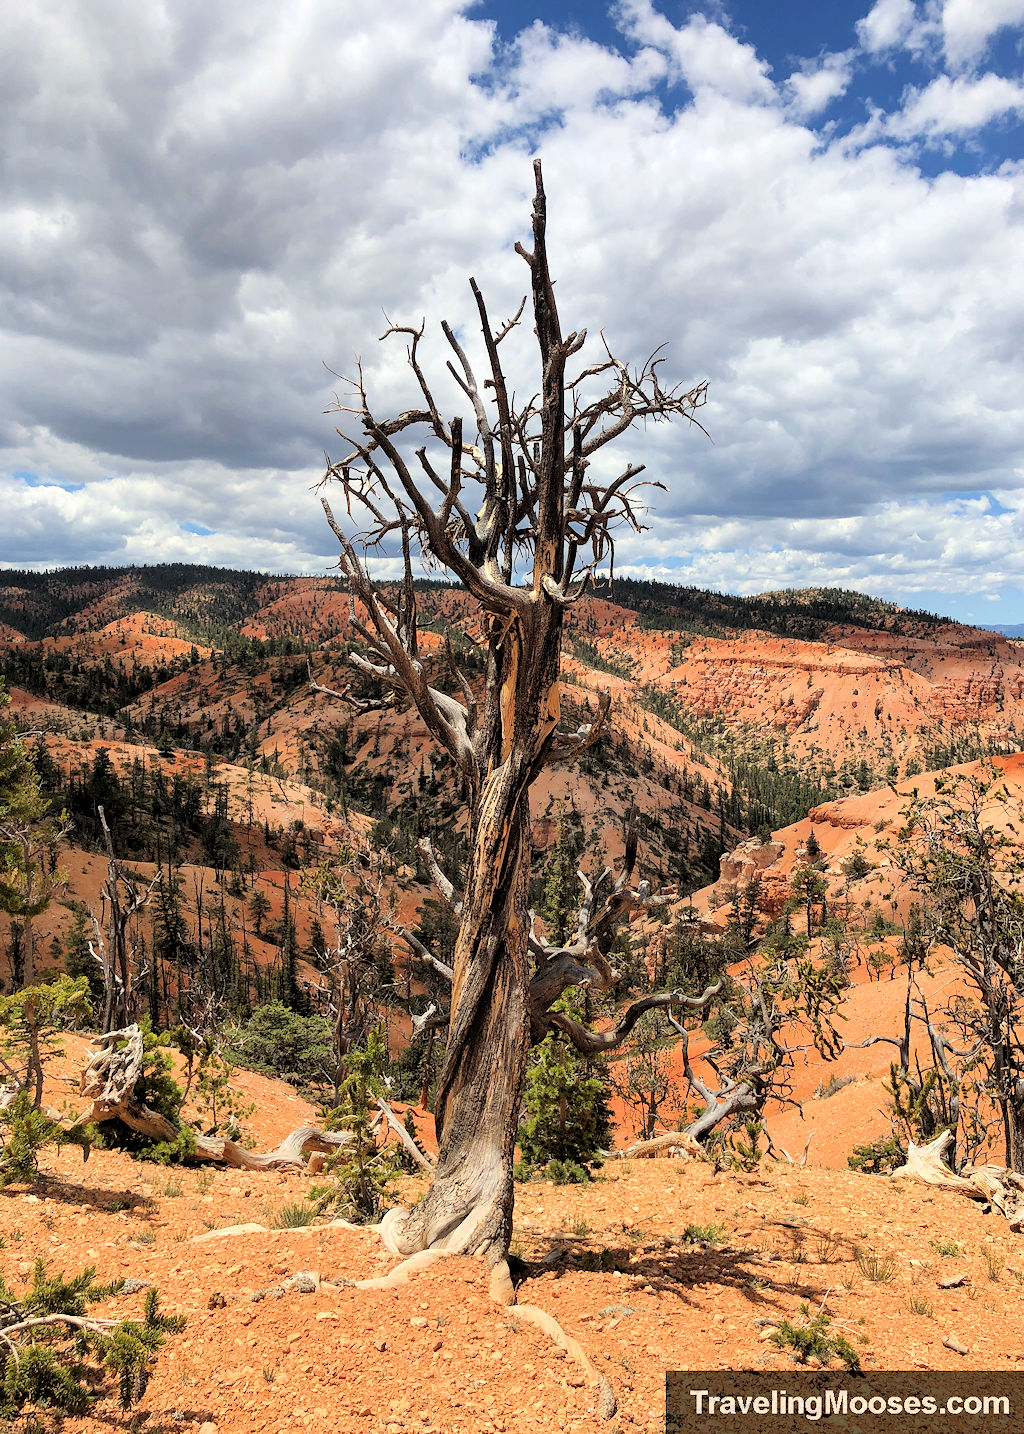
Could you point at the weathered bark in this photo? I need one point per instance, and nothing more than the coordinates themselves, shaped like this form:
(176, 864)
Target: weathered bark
(675, 1140)
(999, 1187)
(109, 1080)
(516, 519)
(114, 953)
(469, 1205)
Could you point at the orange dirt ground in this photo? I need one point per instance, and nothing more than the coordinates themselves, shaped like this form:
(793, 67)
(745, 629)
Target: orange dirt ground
(609, 1260)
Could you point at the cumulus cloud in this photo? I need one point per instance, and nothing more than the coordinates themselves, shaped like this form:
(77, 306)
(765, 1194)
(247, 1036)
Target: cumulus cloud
(890, 24)
(968, 26)
(813, 87)
(955, 106)
(204, 205)
(963, 30)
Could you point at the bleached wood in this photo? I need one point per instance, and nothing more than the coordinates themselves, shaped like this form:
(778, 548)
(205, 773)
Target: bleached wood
(109, 1081)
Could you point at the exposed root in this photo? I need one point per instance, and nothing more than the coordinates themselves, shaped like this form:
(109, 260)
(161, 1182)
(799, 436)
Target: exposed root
(403, 1273)
(390, 1229)
(501, 1288)
(228, 1232)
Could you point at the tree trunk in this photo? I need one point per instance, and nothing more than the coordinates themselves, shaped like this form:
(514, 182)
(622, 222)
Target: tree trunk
(469, 1205)
(1013, 1120)
(35, 1058)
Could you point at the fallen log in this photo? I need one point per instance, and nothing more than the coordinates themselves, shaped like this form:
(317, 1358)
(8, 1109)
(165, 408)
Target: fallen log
(109, 1081)
(999, 1188)
(676, 1140)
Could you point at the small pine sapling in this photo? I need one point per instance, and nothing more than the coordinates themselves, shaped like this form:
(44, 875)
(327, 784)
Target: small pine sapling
(53, 1352)
(567, 1116)
(24, 1131)
(361, 1172)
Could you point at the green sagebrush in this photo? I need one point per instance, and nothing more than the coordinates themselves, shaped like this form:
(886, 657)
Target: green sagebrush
(52, 1349)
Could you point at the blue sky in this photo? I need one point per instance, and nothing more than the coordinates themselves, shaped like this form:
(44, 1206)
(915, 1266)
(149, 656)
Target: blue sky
(819, 206)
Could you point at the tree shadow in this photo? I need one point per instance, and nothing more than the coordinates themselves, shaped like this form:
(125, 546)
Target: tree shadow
(682, 1270)
(69, 1192)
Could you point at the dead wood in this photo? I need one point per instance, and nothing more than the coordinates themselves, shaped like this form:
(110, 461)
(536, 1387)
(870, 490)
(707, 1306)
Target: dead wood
(999, 1188)
(676, 1141)
(421, 1158)
(511, 500)
(109, 1081)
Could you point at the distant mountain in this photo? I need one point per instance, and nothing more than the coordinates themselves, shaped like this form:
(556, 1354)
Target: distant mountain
(208, 602)
(1008, 629)
(730, 713)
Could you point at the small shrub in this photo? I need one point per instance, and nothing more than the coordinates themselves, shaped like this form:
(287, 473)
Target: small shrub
(994, 1262)
(746, 1149)
(879, 1269)
(702, 1234)
(827, 1089)
(24, 1131)
(947, 1248)
(597, 1262)
(814, 1338)
(881, 1157)
(56, 1363)
(360, 1174)
(567, 1114)
(566, 1172)
(291, 1217)
(922, 1308)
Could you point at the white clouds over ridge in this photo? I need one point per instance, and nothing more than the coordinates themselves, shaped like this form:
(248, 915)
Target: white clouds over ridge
(201, 204)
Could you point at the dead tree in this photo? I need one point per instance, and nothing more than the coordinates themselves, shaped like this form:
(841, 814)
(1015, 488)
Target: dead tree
(519, 508)
(961, 850)
(752, 1062)
(354, 987)
(929, 1099)
(122, 895)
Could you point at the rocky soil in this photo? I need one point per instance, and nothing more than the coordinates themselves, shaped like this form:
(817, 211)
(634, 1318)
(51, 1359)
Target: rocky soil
(655, 1265)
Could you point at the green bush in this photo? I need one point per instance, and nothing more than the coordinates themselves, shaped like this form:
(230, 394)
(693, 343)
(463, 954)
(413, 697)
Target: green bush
(815, 1339)
(880, 1157)
(277, 1041)
(702, 1234)
(54, 1364)
(568, 1121)
(24, 1131)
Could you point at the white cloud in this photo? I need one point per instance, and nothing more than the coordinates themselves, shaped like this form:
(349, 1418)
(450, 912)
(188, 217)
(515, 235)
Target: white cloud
(888, 25)
(955, 107)
(203, 205)
(896, 549)
(703, 54)
(815, 86)
(968, 26)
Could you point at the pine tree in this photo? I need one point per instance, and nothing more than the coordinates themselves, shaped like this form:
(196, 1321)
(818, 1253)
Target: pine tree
(78, 959)
(568, 1119)
(28, 844)
(361, 1174)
